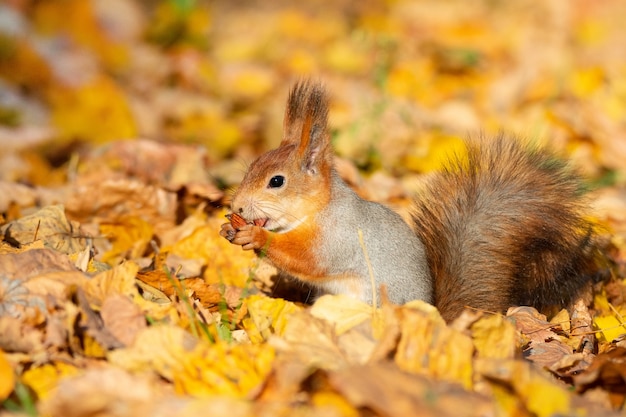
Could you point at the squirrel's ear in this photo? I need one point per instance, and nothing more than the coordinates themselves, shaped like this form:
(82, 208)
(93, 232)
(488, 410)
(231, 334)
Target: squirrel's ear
(314, 147)
(306, 125)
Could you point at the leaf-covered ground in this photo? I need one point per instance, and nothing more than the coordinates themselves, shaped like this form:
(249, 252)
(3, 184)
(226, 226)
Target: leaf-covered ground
(124, 124)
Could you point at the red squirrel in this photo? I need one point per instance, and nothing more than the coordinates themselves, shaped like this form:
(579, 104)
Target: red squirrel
(505, 226)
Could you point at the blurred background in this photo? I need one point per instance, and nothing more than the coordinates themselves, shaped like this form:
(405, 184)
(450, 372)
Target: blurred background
(408, 79)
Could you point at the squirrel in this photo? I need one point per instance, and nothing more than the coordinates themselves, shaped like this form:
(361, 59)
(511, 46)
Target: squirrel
(504, 226)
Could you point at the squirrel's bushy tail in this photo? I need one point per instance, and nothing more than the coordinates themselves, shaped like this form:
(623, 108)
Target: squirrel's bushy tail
(505, 227)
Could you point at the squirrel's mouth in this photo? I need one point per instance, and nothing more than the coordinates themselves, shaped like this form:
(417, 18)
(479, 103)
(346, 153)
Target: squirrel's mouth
(260, 222)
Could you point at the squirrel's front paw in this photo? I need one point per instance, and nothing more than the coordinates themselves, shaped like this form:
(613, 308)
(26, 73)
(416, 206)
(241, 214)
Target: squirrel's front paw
(228, 231)
(250, 237)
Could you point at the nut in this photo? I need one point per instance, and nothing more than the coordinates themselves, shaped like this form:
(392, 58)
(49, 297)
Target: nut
(236, 221)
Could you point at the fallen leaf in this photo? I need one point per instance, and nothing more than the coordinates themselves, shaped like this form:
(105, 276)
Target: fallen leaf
(106, 201)
(93, 325)
(44, 380)
(7, 377)
(196, 367)
(12, 193)
(545, 345)
(21, 266)
(534, 390)
(118, 280)
(342, 311)
(428, 346)
(607, 370)
(49, 225)
(495, 337)
(224, 263)
(267, 316)
(312, 341)
(130, 237)
(105, 392)
(17, 337)
(389, 391)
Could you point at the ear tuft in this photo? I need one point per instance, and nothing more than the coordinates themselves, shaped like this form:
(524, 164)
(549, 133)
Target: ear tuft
(306, 125)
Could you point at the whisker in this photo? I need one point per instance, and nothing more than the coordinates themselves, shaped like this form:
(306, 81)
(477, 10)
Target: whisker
(244, 165)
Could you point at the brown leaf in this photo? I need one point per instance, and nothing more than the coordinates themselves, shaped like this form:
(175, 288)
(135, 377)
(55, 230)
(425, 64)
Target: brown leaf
(122, 318)
(583, 337)
(388, 391)
(12, 193)
(49, 225)
(34, 262)
(545, 345)
(109, 200)
(17, 337)
(93, 324)
(547, 353)
(208, 294)
(608, 371)
(104, 392)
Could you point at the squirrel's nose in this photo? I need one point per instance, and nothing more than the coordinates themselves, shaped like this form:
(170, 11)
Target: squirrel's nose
(236, 208)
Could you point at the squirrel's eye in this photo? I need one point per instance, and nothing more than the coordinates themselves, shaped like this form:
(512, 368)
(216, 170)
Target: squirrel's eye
(276, 181)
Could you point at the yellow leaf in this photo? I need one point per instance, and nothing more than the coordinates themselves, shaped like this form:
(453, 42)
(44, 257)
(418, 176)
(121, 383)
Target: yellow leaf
(225, 263)
(201, 122)
(222, 369)
(541, 396)
(507, 402)
(251, 83)
(78, 19)
(130, 236)
(584, 82)
(22, 64)
(7, 377)
(293, 24)
(158, 348)
(334, 403)
(411, 79)
(610, 327)
(180, 23)
(196, 367)
(44, 379)
(118, 280)
(544, 397)
(428, 346)
(267, 316)
(495, 337)
(601, 303)
(343, 311)
(301, 61)
(99, 102)
(433, 151)
(563, 319)
(92, 348)
(345, 57)
(591, 32)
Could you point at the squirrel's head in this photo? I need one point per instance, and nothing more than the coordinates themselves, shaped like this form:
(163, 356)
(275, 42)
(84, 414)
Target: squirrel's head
(287, 185)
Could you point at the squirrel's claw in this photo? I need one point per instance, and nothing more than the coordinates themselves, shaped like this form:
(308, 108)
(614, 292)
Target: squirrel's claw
(227, 231)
